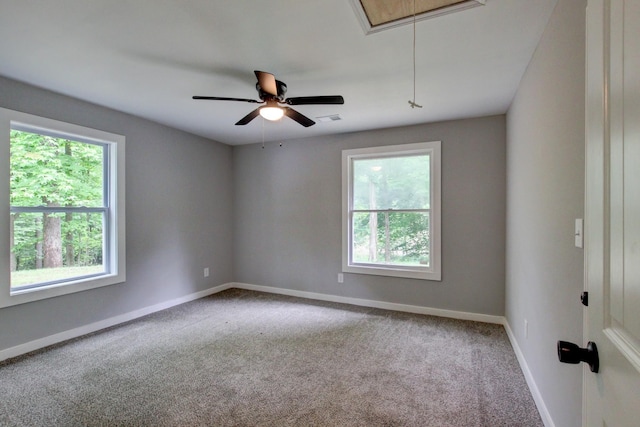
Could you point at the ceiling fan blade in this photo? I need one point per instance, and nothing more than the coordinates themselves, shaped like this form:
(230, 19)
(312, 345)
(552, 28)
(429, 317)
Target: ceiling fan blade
(246, 119)
(317, 100)
(293, 114)
(220, 98)
(267, 82)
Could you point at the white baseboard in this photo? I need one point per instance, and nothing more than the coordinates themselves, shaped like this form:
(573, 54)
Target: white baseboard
(535, 392)
(96, 326)
(476, 317)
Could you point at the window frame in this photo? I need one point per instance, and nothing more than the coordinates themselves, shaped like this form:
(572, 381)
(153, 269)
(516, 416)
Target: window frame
(114, 234)
(434, 271)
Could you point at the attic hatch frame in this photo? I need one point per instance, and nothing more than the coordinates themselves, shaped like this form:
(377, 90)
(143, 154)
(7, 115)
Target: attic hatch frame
(457, 6)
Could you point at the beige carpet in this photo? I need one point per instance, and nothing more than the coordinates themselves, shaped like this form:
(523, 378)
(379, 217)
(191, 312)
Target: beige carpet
(243, 358)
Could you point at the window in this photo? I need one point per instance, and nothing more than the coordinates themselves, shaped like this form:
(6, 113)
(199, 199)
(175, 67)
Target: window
(64, 216)
(391, 210)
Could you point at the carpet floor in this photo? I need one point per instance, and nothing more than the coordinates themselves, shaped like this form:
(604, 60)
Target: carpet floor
(242, 358)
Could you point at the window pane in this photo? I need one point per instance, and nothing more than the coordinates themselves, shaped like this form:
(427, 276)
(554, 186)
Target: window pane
(391, 238)
(391, 183)
(55, 246)
(48, 171)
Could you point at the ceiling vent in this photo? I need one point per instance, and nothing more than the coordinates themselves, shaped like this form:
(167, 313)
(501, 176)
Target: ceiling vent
(331, 118)
(379, 15)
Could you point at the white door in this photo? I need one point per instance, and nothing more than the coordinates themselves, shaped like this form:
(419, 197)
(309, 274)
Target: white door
(612, 228)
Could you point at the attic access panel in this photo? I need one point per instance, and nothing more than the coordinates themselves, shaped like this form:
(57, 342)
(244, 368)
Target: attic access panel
(378, 15)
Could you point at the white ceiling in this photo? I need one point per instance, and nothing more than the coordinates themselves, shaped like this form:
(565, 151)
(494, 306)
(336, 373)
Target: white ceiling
(148, 57)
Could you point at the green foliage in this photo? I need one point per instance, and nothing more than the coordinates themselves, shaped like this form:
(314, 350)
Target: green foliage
(392, 183)
(83, 233)
(55, 172)
(387, 185)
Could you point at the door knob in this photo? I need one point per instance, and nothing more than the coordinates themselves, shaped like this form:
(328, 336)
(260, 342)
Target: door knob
(569, 352)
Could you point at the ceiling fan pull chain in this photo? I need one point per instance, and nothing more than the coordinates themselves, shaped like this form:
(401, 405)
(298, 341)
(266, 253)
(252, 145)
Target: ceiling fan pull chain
(413, 103)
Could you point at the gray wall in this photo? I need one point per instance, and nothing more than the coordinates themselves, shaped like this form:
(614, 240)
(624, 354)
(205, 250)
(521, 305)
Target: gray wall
(288, 216)
(545, 193)
(273, 216)
(179, 211)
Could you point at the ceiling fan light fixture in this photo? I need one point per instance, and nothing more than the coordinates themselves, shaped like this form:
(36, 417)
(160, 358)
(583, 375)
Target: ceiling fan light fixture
(271, 113)
(271, 92)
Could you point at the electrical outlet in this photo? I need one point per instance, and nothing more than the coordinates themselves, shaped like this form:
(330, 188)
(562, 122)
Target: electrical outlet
(340, 278)
(526, 328)
(206, 272)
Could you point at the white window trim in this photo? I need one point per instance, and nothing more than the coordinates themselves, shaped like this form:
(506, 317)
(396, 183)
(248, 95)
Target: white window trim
(434, 271)
(116, 147)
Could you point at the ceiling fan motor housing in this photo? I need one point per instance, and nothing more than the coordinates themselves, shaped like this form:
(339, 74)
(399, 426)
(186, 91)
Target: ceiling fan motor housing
(282, 90)
(272, 92)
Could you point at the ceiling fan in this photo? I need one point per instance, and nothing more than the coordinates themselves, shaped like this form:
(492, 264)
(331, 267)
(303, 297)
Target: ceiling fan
(271, 93)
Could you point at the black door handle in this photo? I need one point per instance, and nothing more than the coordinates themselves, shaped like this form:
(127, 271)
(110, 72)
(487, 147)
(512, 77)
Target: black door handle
(569, 352)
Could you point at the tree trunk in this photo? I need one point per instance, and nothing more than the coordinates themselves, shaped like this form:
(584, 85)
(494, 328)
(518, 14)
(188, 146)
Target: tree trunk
(13, 262)
(39, 248)
(68, 218)
(387, 239)
(69, 240)
(373, 224)
(52, 242)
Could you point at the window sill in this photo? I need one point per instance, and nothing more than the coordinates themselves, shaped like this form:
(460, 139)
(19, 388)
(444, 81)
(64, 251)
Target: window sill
(35, 294)
(421, 274)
